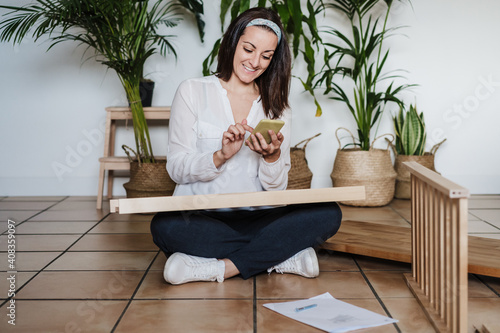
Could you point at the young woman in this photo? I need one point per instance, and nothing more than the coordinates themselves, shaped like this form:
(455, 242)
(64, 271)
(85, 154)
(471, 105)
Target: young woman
(209, 122)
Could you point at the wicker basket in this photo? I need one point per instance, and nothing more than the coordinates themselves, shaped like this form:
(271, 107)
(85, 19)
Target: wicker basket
(403, 185)
(148, 179)
(299, 176)
(372, 169)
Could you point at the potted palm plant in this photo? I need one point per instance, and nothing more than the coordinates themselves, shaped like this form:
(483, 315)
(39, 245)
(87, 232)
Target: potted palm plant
(411, 137)
(354, 74)
(123, 34)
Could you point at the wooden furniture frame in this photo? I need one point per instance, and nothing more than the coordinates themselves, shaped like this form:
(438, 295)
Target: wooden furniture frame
(394, 243)
(439, 248)
(109, 162)
(232, 200)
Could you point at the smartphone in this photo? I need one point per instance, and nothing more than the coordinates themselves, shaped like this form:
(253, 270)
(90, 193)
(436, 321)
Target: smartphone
(268, 124)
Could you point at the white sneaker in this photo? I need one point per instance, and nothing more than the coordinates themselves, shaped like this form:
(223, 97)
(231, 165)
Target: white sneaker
(181, 268)
(304, 263)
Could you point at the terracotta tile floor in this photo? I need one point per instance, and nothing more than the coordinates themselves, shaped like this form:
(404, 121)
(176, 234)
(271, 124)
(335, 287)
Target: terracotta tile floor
(83, 270)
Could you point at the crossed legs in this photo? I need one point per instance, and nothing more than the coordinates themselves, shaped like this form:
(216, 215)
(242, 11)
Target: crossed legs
(247, 241)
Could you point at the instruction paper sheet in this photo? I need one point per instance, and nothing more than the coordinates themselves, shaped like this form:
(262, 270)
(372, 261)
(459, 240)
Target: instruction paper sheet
(329, 314)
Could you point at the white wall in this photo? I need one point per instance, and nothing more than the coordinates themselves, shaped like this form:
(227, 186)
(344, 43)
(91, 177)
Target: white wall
(52, 111)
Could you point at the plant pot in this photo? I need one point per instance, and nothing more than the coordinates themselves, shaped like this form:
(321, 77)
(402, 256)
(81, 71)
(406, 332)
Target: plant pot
(149, 180)
(403, 185)
(372, 169)
(146, 92)
(299, 176)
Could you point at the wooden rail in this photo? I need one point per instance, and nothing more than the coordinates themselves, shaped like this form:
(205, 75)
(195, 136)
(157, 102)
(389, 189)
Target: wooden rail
(439, 248)
(233, 200)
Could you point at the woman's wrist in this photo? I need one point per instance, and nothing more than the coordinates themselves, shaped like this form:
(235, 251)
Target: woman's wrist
(273, 157)
(219, 159)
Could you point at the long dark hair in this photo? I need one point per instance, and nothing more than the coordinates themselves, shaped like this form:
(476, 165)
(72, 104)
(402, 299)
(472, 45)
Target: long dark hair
(274, 83)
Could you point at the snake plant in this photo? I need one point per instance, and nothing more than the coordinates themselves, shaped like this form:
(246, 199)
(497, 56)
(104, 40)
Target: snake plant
(411, 135)
(122, 33)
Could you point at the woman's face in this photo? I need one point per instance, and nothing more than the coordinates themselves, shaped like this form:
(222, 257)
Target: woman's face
(253, 53)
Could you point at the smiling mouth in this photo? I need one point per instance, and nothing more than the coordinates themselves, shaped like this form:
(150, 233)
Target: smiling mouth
(249, 69)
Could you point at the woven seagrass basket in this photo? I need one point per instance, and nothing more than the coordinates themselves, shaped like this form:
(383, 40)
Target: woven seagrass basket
(149, 179)
(299, 176)
(372, 169)
(403, 184)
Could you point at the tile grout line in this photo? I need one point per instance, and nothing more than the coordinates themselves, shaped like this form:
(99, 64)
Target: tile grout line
(397, 212)
(490, 224)
(40, 212)
(57, 257)
(486, 284)
(127, 299)
(190, 298)
(38, 271)
(482, 220)
(135, 292)
(375, 293)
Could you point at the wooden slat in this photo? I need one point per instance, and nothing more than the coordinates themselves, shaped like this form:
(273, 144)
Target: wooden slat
(449, 292)
(442, 256)
(484, 256)
(463, 245)
(154, 112)
(438, 182)
(373, 240)
(121, 159)
(234, 200)
(414, 254)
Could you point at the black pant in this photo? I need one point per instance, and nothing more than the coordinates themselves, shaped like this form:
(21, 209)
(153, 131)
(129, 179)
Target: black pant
(254, 240)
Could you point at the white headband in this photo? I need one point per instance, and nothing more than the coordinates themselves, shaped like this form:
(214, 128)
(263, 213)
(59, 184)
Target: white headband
(267, 23)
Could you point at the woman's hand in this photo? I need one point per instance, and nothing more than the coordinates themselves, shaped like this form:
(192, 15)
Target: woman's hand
(232, 140)
(270, 151)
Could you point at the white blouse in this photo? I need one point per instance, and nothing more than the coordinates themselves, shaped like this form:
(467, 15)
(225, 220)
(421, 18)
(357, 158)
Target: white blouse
(200, 113)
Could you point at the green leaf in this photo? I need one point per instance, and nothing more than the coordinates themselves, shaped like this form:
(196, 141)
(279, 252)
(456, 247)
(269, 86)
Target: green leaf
(224, 7)
(310, 20)
(196, 8)
(262, 3)
(244, 5)
(410, 132)
(309, 89)
(211, 58)
(235, 9)
(296, 16)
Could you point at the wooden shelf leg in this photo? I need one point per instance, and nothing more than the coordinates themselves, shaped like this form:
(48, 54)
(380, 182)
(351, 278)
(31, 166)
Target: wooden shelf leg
(111, 178)
(100, 186)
